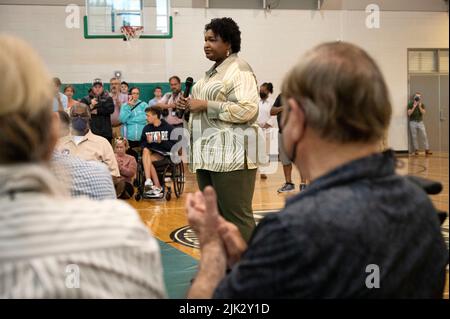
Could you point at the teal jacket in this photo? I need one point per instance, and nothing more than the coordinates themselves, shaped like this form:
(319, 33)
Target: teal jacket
(133, 120)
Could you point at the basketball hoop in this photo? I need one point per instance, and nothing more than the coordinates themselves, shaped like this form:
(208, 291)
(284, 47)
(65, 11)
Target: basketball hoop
(131, 32)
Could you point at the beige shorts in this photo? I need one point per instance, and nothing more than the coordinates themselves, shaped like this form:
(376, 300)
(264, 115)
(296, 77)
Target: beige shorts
(282, 154)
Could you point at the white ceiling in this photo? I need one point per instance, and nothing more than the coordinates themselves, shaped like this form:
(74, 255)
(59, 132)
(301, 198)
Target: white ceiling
(385, 5)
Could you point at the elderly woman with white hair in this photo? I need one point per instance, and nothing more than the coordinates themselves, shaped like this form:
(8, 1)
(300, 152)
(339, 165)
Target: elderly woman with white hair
(48, 233)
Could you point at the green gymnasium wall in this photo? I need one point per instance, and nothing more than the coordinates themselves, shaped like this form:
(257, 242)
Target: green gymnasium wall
(81, 89)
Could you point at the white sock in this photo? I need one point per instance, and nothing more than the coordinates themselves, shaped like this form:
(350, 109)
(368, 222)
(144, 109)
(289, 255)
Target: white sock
(148, 182)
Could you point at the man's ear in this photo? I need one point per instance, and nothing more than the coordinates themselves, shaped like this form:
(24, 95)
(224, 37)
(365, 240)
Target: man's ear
(297, 116)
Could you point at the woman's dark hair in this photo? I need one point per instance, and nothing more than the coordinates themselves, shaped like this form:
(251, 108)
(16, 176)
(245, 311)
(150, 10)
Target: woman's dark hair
(228, 30)
(134, 88)
(70, 86)
(268, 86)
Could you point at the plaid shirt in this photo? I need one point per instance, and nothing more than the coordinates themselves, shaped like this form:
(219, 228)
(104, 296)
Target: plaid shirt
(86, 178)
(321, 244)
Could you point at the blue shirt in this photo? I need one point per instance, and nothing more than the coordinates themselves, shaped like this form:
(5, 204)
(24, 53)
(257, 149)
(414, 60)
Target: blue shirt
(324, 243)
(154, 101)
(64, 101)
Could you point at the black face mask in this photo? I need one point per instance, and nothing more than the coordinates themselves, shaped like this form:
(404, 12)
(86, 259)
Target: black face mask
(79, 124)
(263, 95)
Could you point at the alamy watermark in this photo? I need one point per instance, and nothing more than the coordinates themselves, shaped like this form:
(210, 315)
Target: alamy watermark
(222, 146)
(73, 16)
(373, 17)
(72, 276)
(373, 279)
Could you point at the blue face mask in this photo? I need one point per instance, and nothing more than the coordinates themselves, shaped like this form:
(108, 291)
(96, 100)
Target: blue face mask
(79, 124)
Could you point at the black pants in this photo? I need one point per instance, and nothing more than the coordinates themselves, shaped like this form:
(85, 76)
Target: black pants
(131, 151)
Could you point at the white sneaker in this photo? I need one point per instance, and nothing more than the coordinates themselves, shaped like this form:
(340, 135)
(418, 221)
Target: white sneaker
(148, 182)
(156, 190)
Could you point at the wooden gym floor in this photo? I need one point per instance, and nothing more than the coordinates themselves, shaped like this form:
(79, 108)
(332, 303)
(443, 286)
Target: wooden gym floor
(164, 217)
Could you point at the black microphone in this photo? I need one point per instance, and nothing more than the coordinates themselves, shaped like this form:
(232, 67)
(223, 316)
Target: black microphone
(188, 86)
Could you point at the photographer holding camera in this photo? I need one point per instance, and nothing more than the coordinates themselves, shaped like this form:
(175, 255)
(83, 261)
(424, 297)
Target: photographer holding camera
(101, 106)
(167, 105)
(416, 110)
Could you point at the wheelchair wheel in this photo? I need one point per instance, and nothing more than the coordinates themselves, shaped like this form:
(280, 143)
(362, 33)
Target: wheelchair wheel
(137, 197)
(178, 179)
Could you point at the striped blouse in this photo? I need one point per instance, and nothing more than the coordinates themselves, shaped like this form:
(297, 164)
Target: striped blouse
(225, 137)
(56, 247)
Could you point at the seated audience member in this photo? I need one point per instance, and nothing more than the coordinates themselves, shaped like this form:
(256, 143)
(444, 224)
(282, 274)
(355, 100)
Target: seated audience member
(86, 178)
(133, 118)
(155, 142)
(87, 145)
(101, 106)
(59, 100)
(157, 92)
(127, 167)
(358, 230)
(69, 91)
(58, 246)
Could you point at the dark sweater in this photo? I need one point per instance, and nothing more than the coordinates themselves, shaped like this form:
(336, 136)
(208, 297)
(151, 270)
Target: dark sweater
(160, 136)
(101, 122)
(328, 240)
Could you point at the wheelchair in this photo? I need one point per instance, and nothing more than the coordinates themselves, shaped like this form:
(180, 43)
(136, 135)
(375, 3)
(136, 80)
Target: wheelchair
(431, 188)
(167, 171)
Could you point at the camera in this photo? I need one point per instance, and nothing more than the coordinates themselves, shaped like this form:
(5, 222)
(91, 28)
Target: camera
(417, 98)
(179, 113)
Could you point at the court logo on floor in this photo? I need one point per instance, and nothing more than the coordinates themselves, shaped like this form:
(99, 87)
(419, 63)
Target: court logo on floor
(185, 236)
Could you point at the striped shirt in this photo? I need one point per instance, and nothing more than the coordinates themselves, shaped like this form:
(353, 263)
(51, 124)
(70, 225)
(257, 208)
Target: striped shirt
(172, 98)
(52, 246)
(224, 137)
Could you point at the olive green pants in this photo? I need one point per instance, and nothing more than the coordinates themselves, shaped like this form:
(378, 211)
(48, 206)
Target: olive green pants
(234, 196)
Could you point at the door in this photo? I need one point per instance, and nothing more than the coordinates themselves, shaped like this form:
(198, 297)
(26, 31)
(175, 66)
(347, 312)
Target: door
(444, 112)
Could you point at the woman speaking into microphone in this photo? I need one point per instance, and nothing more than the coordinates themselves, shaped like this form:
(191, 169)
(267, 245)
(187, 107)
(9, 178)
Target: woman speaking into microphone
(223, 111)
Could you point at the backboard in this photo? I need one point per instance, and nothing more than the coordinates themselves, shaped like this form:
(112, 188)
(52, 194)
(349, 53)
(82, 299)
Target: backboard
(104, 18)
